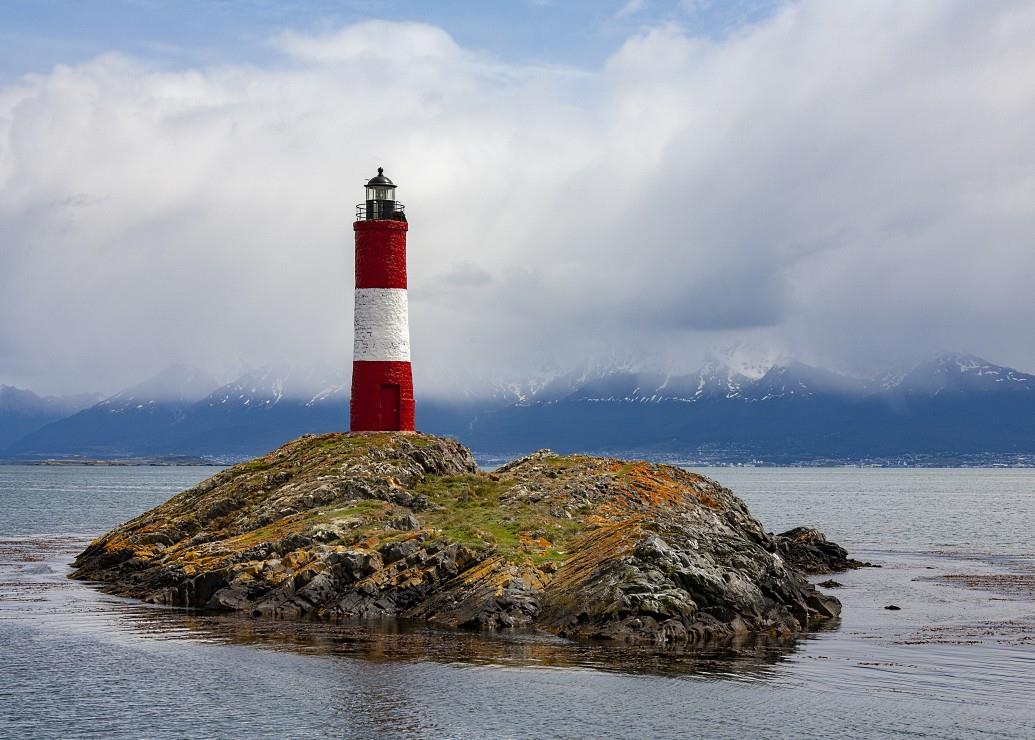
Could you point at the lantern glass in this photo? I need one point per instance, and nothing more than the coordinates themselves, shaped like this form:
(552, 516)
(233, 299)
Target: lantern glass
(380, 193)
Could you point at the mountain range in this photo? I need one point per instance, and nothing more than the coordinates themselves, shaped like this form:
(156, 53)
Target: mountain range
(23, 412)
(954, 409)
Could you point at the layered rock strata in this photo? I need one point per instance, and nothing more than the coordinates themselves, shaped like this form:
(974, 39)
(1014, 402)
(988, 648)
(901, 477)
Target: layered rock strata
(404, 525)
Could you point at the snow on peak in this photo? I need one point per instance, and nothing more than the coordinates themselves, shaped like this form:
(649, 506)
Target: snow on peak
(750, 361)
(178, 384)
(267, 386)
(958, 372)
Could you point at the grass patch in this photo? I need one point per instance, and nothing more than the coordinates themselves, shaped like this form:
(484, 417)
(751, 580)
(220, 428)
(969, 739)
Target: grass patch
(273, 532)
(364, 508)
(549, 554)
(346, 444)
(252, 466)
(472, 514)
(565, 461)
(626, 469)
(370, 512)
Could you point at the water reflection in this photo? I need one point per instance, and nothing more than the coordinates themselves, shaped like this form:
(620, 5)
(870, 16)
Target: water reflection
(33, 586)
(958, 660)
(750, 656)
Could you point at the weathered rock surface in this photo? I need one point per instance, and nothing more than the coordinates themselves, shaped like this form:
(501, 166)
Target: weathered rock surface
(809, 550)
(373, 525)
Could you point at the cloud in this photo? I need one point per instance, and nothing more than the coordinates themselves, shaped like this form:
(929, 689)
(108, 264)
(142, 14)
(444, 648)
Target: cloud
(848, 183)
(631, 7)
(372, 44)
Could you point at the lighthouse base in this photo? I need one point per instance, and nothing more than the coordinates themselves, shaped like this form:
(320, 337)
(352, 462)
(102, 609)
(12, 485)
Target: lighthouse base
(382, 397)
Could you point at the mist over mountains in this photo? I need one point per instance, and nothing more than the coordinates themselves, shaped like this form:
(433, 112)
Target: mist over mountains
(22, 411)
(953, 409)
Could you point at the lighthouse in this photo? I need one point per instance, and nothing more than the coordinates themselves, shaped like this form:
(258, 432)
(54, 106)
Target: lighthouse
(382, 382)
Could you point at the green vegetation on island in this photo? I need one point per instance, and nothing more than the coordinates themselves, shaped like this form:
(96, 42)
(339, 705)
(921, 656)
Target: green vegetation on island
(341, 526)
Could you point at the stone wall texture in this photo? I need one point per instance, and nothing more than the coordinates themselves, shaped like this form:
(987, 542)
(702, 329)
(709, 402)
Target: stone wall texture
(380, 254)
(382, 330)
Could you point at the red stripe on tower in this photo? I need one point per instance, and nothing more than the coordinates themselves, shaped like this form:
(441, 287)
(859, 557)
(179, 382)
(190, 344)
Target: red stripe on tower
(382, 381)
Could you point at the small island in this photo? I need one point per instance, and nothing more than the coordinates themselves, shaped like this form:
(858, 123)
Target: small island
(374, 525)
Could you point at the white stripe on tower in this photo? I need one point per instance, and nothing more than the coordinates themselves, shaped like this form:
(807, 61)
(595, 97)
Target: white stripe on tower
(382, 328)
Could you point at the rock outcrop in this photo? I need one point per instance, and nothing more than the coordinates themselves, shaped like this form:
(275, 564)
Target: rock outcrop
(404, 525)
(808, 549)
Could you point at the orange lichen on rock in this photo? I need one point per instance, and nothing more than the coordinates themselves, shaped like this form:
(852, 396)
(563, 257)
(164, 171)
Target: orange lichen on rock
(531, 540)
(599, 545)
(376, 525)
(486, 572)
(661, 485)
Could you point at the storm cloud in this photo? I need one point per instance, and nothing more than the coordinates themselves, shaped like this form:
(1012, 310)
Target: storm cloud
(851, 184)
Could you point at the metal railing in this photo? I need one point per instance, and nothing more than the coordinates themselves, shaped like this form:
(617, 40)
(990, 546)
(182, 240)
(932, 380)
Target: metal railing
(375, 210)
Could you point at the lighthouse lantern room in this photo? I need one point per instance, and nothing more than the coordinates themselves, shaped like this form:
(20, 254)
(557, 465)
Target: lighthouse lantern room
(380, 201)
(382, 381)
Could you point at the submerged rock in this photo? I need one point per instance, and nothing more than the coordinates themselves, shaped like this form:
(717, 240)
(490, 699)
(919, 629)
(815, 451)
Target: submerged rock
(373, 525)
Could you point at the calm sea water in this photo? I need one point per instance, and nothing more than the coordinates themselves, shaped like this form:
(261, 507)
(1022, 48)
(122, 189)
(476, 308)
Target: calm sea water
(958, 659)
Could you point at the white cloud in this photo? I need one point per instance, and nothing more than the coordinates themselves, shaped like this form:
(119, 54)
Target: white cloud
(372, 44)
(849, 183)
(631, 7)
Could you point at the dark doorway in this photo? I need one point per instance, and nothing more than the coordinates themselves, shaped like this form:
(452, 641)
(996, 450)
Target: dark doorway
(389, 406)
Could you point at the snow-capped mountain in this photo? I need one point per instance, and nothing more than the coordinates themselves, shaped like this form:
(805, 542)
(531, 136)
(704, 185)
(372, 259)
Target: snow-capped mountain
(627, 386)
(955, 373)
(718, 380)
(254, 389)
(797, 380)
(954, 405)
(961, 373)
(711, 383)
(951, 406)
(176, 386)
(120, 423)
(548, 386)
(268, 386)
(181, 411)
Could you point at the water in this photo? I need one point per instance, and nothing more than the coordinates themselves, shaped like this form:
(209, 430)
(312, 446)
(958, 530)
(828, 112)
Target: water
(958, 660)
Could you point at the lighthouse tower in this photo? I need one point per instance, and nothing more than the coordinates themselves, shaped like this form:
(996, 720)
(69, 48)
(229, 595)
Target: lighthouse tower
(382, 383)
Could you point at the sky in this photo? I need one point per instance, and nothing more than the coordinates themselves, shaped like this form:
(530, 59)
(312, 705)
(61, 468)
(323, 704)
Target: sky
(589, 184)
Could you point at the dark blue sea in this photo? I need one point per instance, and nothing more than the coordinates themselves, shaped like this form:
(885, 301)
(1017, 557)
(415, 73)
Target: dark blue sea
(957, 660)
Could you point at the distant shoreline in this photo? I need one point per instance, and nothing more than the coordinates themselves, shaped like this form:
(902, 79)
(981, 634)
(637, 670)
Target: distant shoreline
(493, 460)
(117, 463)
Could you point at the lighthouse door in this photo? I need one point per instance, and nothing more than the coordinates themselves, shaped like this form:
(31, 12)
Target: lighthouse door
(390, 407)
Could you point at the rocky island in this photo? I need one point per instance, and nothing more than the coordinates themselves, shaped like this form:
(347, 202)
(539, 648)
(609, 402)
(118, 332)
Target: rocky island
(404, 525)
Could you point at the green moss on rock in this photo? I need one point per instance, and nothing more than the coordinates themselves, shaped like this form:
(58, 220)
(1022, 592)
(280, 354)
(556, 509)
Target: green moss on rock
(345, 525)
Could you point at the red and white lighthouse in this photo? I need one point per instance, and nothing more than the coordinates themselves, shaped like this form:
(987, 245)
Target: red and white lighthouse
(382, 382)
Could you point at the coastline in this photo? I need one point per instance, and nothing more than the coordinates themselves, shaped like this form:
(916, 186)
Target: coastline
(488, 461)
